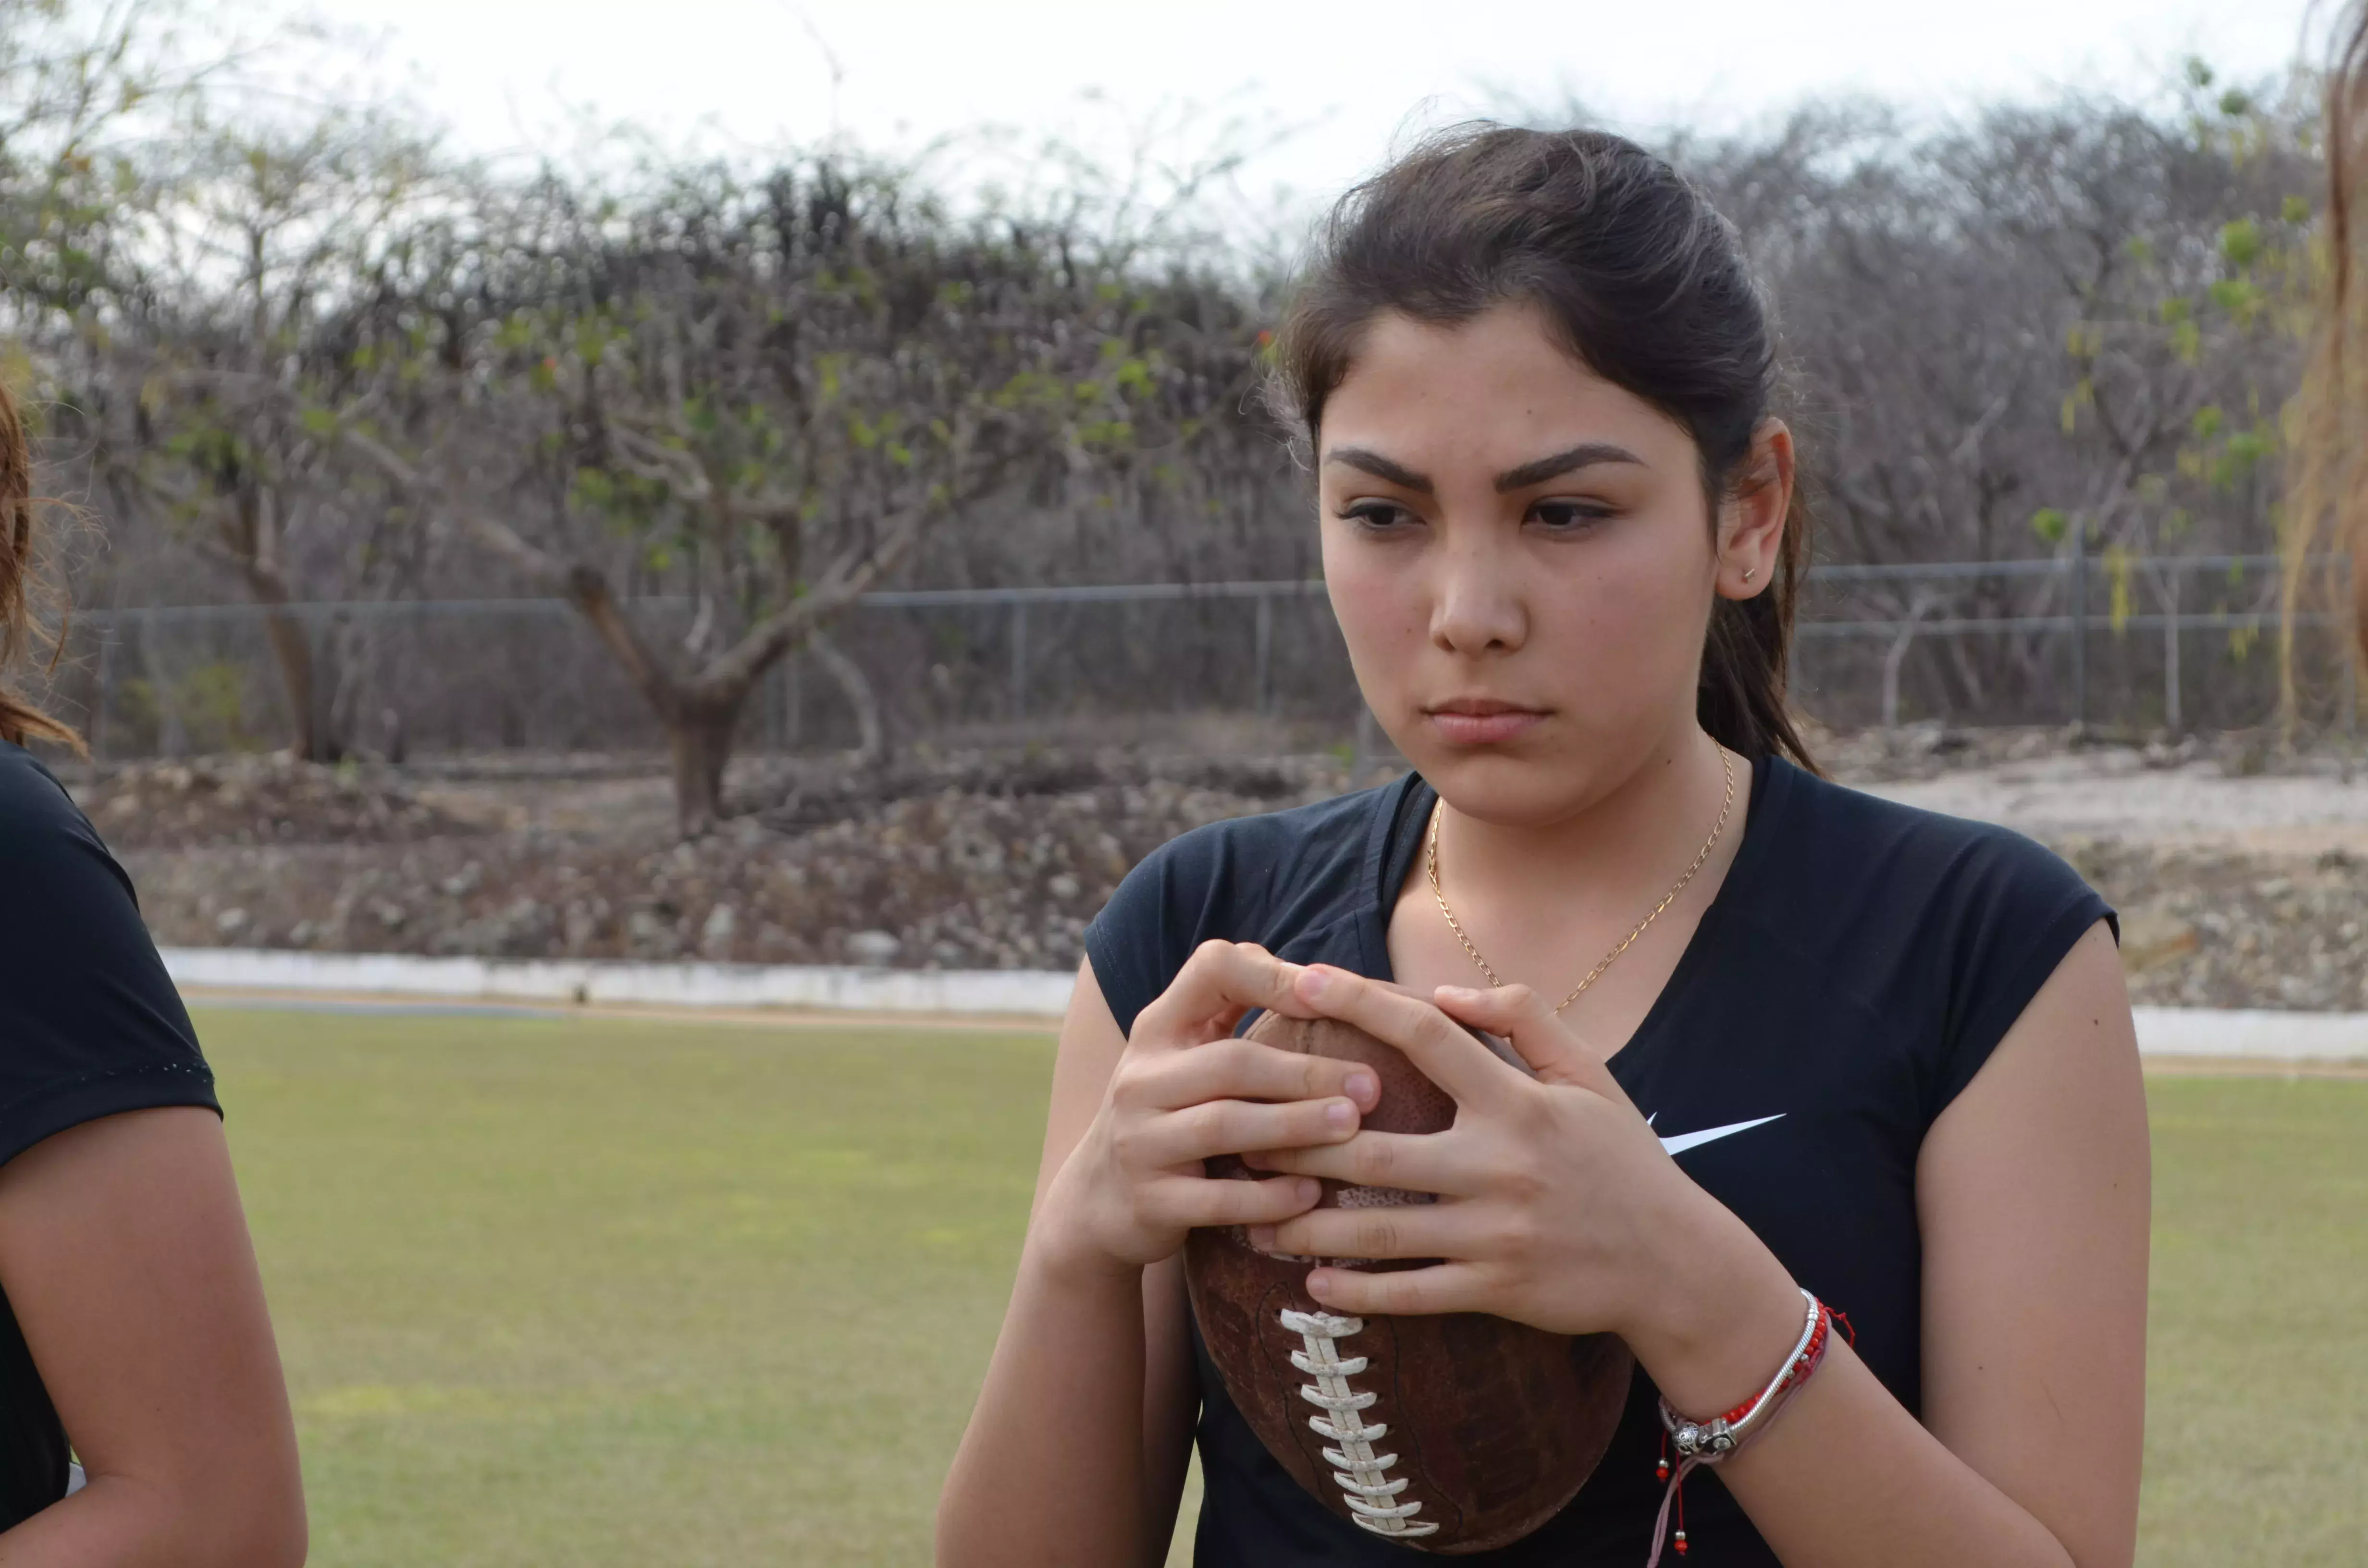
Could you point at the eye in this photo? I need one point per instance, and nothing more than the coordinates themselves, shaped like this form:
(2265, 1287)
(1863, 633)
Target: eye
(1377, 516)
(1569, 517)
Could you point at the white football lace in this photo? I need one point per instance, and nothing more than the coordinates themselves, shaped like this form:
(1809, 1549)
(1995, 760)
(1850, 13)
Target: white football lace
(1363, 1474)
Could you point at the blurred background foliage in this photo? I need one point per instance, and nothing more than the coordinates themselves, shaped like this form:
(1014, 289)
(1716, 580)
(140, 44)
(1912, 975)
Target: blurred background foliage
(285, 352)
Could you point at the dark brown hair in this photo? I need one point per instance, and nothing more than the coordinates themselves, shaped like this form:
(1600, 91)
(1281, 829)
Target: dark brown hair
(1647, 286)
(20, 539)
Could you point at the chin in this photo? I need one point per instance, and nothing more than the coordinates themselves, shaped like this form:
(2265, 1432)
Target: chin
(1514, 787)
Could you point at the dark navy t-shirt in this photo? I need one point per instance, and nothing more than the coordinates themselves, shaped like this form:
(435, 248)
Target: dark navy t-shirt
(1858, 965)
(90, 1026)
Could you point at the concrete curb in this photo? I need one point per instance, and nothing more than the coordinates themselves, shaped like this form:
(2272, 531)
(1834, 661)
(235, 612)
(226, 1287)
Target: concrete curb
(2256, 1034)
(2252, 1034)
(1019, 993)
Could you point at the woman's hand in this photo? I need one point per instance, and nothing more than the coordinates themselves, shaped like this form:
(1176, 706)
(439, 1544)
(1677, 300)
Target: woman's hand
(1184, 1091)
(1558, 1206)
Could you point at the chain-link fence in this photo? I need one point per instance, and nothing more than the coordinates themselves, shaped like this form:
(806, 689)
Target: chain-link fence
(2168, 642)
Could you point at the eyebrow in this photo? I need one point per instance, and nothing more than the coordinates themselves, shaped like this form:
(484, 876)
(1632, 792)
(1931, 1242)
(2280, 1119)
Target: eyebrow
(1381, 467)
(1586, 454)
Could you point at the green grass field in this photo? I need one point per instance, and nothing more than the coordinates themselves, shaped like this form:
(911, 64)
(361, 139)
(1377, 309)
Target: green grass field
(622, 1294)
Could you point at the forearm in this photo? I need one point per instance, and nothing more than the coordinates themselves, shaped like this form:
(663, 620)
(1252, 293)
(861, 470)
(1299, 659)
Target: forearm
(1844, 1475)
(1051, 1469)
(1848, 1477)
(118, 1521)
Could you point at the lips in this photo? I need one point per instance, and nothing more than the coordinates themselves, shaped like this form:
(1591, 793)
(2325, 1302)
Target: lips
(1480, 721)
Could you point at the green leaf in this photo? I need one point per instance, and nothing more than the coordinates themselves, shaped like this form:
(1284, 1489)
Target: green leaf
(2174, 310)
(2240, 241)
(2236, 296)
(2208, 421)
(318, 422)
(2050, 524)
(2236, 103)
(2249, 448)
(2296, 209)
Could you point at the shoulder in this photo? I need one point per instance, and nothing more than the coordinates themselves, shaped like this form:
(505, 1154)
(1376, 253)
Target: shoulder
(1852, 838)
(90, 1023)
(36, 812)
(1258, 867)
(1946, 921)
(49, 850)
(1262, 879)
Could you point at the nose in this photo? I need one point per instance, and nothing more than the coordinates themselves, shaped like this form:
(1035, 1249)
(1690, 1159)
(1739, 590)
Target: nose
(1478, 607)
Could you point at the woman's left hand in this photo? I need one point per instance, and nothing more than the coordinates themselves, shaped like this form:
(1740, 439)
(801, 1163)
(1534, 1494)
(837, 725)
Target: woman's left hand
(1555, 1206)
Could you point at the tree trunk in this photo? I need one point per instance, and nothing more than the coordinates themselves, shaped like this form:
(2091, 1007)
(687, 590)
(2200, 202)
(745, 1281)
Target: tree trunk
(699, 734)
(870, 739)
(292, 646)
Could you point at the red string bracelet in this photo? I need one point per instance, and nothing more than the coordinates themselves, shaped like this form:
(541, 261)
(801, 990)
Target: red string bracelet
(1708, 1442)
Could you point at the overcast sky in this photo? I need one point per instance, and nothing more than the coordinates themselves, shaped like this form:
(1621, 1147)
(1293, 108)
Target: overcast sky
(1342, 78)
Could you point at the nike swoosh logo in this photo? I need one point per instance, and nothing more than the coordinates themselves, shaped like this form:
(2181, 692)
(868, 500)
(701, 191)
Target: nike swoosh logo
(1685, 1141)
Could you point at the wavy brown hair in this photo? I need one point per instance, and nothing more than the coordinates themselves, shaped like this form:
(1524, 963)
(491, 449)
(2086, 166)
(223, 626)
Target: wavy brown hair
(2328, 461)
(1647, 286)
(21, 719)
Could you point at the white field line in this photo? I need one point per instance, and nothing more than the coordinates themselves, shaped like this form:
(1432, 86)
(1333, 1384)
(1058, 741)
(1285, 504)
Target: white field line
(2228, 1034)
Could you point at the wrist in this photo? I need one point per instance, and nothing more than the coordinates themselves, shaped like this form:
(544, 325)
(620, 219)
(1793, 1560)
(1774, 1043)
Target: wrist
(1063, 1250)
(1724, 1314)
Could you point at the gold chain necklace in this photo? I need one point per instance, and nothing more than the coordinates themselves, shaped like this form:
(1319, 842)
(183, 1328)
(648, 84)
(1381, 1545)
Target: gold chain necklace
(1702, 858)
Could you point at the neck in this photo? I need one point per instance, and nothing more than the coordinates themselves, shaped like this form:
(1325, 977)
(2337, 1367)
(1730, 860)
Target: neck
(1644, 830)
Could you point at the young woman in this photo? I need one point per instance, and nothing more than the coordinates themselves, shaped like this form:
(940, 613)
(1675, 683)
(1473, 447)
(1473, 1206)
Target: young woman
(1783, 1036)
(132, 1333)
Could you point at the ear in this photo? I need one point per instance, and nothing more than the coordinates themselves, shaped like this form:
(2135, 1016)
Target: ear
(1752, 518)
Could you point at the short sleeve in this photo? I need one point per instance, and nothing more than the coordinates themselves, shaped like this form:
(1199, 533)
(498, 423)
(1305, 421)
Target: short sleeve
(2016, 909)
(90, 1024)
(1152, 924)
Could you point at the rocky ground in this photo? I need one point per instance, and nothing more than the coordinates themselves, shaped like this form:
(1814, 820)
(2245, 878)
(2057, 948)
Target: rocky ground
(2241, 873)
(970, 861)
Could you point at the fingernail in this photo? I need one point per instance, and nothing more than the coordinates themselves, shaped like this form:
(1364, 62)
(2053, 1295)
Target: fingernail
(1364, 1089)
(1312, 982)
(1340, 1115)
(1255, 1160)
(1319, 1284)
(1262, 1237)
(1459, 992)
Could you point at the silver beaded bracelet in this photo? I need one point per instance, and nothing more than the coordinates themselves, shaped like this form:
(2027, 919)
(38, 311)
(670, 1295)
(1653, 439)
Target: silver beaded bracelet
(1707, 1442)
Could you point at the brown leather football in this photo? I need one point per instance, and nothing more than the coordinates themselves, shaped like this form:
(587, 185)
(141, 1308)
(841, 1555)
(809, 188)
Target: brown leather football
(1449, 1434)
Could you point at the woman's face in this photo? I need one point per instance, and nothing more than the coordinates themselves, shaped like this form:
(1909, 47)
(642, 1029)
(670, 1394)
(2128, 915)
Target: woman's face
(1520, 555)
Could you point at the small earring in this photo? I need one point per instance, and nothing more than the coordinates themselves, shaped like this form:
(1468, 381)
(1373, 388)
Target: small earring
(1750, 572)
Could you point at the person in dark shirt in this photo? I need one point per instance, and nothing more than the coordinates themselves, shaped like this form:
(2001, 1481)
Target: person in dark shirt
(1785, 1039)
(142, 1415)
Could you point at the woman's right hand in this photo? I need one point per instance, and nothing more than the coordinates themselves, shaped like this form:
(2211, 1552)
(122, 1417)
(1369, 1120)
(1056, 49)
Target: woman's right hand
(1184, 1091)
